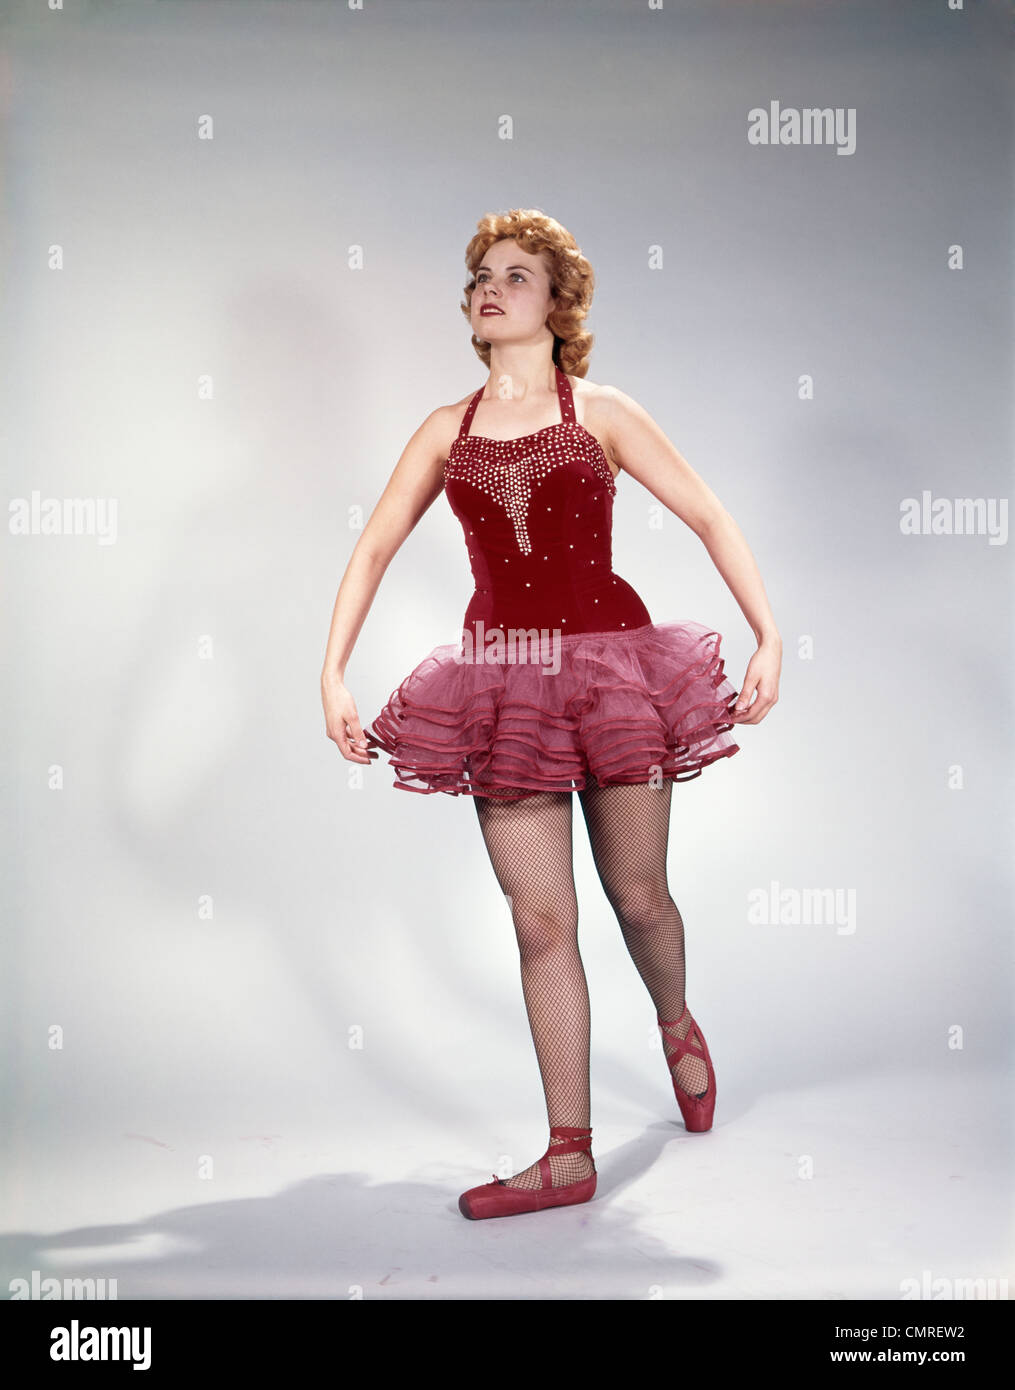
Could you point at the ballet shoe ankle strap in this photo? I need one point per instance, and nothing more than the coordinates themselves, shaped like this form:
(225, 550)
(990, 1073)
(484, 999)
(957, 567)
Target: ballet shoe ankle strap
(569, 1140)
(674, 1023)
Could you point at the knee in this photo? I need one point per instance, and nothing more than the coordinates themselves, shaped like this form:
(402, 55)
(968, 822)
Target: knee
(642, 903)
(544, 930)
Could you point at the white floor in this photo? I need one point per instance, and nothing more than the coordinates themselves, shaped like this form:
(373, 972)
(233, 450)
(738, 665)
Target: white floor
(908, 1182)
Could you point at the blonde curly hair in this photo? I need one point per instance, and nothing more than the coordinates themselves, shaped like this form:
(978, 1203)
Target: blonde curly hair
(571, 280)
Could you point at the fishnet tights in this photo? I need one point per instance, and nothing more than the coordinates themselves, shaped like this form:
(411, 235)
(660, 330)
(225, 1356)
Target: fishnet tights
(530, 847)
(628, 829)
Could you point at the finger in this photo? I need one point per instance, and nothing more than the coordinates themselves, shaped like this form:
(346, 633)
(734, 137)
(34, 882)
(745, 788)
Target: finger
(342, 739)
(760, 709)
(744, 698)
(359, 739)
(748, 693)
(359, 750)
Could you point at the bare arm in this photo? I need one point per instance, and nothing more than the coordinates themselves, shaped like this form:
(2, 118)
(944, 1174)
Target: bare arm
(414, 485)
(638, 445)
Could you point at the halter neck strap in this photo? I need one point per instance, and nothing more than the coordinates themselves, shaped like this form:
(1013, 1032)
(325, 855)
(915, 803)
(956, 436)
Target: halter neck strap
(565, 398)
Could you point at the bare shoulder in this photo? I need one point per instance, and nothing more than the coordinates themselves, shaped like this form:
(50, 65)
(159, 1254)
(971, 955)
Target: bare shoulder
(606, 403)
(604, 410)
(441, 426)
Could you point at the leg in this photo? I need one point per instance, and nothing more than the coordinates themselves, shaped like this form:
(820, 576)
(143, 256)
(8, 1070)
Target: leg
(628, 830)
(529, 843)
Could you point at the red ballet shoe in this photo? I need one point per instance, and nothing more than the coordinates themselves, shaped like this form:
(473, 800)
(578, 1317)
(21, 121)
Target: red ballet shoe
(696, 1110)
(497, 1199)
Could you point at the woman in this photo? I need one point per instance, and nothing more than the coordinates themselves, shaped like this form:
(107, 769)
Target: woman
(578, 690)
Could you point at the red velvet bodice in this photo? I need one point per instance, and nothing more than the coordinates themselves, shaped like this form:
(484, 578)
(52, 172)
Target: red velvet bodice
(537, 513)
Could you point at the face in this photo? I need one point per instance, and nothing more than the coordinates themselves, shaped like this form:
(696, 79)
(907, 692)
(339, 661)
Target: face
(518, 285)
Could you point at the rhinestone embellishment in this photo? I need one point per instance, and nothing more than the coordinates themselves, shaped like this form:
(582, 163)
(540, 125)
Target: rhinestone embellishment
(512, 482)
(509, 471)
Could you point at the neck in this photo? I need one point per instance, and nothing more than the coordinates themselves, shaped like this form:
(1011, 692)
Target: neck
(521, 373)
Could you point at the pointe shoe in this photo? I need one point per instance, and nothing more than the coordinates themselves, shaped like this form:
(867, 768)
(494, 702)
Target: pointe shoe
(697, 1112)
(497, 1199)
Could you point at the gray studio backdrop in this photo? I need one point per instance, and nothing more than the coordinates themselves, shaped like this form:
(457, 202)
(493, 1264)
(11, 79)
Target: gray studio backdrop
(233, 260)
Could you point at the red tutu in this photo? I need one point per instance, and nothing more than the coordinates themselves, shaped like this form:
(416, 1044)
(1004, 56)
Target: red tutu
(618, 707)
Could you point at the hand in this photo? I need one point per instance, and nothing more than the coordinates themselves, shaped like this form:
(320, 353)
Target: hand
(342, 722)
(762, 676)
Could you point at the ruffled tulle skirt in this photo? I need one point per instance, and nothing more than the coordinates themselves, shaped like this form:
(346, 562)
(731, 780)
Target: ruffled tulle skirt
(597, 708)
